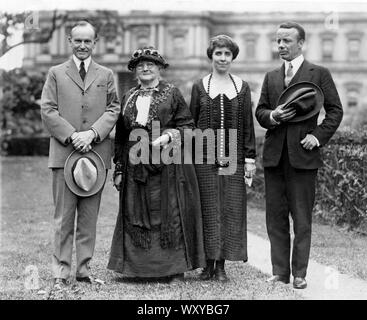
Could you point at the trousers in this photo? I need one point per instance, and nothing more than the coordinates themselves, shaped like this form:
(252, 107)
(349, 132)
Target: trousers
(289, 191)
(74, 217)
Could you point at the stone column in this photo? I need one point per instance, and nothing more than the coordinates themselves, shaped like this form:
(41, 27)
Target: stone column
(34, 49)
(198, 40)
(127, 42)
(27, 51)
(204, 41)
(161, 35)
(62, 41)
(152, 38)
(101, 46)
(191, 41)
(54, 43)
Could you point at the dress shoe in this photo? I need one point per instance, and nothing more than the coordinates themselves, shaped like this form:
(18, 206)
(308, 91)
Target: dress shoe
(220, 273)
(299, 283)
(278, 278)
(84, 279)
(208, 271)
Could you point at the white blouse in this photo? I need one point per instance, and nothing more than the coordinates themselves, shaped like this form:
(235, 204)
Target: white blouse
(143, 106)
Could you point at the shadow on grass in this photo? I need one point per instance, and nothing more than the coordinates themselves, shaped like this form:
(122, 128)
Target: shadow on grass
(137, 280)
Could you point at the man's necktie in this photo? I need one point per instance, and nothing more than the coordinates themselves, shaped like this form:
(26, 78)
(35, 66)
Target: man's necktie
(82, 70)
(289, 75)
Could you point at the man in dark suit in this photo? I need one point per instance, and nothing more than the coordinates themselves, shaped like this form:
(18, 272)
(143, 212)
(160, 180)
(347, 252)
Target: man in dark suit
(291, 154)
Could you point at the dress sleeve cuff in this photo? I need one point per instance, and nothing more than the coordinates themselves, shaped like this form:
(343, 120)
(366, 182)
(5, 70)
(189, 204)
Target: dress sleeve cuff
(68, 140)
(96, 135)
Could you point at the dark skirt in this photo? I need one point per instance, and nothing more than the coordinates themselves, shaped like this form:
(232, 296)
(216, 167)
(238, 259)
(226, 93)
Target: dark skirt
(187, 253)
(155, 261)
(223, 204)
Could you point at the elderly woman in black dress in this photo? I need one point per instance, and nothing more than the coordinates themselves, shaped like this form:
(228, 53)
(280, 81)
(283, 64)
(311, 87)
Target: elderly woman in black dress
(159, 225)
(222, 101)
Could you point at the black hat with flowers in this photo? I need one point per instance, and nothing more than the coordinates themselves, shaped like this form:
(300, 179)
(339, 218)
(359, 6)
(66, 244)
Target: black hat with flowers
(146, 53)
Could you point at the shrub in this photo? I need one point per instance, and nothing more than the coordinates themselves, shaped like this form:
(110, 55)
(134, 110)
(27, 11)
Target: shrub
(25, 146)
(20, 113)
(341, 196)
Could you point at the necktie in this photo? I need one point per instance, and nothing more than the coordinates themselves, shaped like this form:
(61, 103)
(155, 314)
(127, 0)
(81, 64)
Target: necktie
(82, 70)
(289, 75)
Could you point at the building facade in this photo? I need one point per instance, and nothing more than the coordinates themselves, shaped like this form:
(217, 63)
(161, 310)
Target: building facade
(337, 41)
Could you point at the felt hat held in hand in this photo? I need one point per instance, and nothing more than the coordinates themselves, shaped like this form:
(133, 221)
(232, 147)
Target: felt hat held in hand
(85, 174)
(305, 97)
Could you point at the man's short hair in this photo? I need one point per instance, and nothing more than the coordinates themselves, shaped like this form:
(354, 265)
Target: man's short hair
(297, 26)
(84, 23)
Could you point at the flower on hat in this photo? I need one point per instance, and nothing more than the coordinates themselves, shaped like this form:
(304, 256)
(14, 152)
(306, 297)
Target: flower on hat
(146, 53)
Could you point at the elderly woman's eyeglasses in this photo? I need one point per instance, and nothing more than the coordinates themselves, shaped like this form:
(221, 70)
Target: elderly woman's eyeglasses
(148, 65)
(140, 52)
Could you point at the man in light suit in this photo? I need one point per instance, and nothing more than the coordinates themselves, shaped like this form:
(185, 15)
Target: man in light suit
(291, 154)
(79, 107)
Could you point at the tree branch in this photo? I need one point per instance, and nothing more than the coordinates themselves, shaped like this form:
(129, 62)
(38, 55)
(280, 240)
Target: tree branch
(57, 22)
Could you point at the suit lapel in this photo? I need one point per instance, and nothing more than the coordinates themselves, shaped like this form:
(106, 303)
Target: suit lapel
(91, 74)
(279, 80)
(72, 72)
(304, 73)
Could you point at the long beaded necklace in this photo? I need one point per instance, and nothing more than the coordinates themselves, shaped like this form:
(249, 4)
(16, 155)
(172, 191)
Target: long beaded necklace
(221, 129)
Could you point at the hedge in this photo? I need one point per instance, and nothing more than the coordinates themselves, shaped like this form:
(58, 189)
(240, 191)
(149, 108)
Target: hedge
(25, 146)
(341, 196)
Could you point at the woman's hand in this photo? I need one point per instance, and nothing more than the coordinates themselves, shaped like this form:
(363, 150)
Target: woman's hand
(250, 170)
(117, 181)
(161, 141)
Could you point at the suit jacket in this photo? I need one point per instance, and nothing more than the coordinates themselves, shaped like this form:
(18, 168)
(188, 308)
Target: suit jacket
(293, 133)
(68, 104)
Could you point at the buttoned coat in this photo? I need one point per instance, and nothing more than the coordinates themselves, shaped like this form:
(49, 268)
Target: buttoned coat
(272, 88)
(69, 105)
(290, 170)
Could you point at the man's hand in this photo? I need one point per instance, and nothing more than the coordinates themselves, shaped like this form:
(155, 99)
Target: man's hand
(82, 140)
(86, 149)
(280, 114)
(309, 142)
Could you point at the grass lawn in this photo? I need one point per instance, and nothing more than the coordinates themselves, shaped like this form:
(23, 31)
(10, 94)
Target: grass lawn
(26, 249)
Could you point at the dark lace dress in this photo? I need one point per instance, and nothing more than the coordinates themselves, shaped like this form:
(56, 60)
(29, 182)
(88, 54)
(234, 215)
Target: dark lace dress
(159, 225)
(223, 197)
